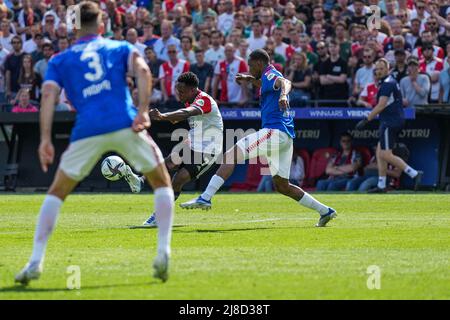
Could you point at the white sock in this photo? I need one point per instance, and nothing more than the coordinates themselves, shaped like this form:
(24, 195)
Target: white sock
(213, 186)
(46, 222)
(410, 172)
(310, 202)
(164, 203)
(381, 182)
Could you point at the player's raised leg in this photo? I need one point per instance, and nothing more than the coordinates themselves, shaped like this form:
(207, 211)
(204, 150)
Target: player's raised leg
(231, 158)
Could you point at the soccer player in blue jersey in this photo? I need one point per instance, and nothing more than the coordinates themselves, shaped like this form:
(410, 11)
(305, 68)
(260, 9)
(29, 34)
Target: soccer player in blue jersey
(391, 116)
(274, 141)
(93, 74)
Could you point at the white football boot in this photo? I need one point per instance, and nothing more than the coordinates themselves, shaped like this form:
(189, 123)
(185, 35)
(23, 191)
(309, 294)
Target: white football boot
(32, 271)
(133, 180)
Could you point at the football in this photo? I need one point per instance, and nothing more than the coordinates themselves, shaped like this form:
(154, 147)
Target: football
(111, 167)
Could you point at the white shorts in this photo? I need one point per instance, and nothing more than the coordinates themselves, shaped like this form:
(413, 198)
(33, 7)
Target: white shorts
(138, 149)
(276, 146)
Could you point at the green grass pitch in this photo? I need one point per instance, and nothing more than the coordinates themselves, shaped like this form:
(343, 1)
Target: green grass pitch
(250, 246)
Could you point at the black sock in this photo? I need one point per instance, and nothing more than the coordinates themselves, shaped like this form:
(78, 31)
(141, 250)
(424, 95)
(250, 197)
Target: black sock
(176, 194)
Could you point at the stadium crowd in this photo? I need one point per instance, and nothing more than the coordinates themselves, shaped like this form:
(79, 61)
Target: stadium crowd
(325, 47)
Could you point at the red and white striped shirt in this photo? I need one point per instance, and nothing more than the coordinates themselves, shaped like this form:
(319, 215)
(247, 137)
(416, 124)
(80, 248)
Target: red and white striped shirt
(429, 68)
(369, 94)
(206, 130)
(230, 90)
(285, 50)
(169, 74)
(437, 52)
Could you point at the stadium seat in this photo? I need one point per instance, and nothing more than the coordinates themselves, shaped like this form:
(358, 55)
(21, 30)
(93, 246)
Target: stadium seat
(304, 154)
(319, 161)
(253, 177)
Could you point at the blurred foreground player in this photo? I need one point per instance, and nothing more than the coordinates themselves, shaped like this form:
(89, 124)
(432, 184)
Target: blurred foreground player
(274, 141)
(106, 121)
(390, 109)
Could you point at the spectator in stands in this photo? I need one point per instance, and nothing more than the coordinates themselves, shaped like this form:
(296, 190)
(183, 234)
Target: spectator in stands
(398, 45)
(368, 97)
(415, 87)
(432, 66)
(148, 38)
(205, 10)
(317, 35)
(281, 47)
(341, 37)
(444, 80)
(427, 39)
(7, 36)
(28, 79)
(132, 37)
(266, 16)
(364, 75)
(277, 60)
(41, 66)
(167, 39)
(322, 53)
(49, 29)
(319, 18)
(118, 33)
(186, 52)
(204, 40)
(414, 33)
(13, 64)
(243, 51)
(333, 76)
(400, 69)
(217, 51)
(342, 167)
(3, 55)
(63, 44)
(359, 16)
(203, 70)
(226, 19)
(307, 50)
(35, 41)
(301, 80)
(225, 72)
(257, 40)
(23, 102)
(391, 8)
(169, 72)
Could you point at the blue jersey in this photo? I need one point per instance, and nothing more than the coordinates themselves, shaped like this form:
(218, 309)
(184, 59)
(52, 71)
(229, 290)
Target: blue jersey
(271, 115)
(393, 113)
(93, 74)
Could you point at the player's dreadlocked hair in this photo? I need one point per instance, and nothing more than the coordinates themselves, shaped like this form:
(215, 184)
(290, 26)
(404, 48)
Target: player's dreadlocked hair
(189, 79)
(260, 55)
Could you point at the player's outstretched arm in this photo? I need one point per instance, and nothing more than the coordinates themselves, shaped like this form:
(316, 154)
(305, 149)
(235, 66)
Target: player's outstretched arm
(246, 78)
(175, 116)
(50, 93)
(144, 85)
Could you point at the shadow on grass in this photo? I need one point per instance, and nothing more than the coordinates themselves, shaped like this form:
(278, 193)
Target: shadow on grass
(235, 229)
(27, 289)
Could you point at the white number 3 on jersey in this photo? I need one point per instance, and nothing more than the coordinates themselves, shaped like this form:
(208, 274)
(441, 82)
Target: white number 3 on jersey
(94, 64)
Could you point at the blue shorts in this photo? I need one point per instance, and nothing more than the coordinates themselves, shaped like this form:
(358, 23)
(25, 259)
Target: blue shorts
(389, 135)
